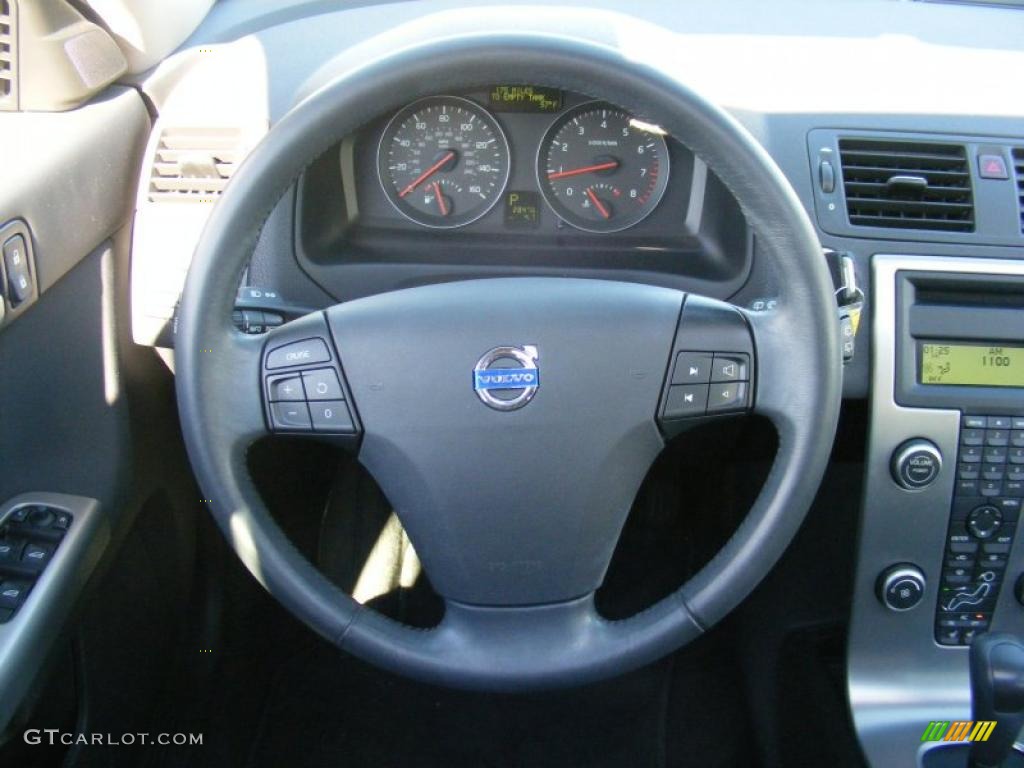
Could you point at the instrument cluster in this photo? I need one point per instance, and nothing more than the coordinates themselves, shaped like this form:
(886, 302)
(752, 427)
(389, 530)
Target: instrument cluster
(524, 155)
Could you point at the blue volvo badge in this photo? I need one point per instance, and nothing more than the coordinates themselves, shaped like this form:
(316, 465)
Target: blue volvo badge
(506, 378)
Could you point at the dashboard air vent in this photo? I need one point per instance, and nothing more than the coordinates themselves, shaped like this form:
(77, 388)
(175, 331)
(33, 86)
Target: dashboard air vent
(907, 184)
(1018, 167)
(8, 57)
(194, 164)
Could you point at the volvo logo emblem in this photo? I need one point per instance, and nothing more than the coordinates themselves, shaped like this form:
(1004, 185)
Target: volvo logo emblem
(506, 378)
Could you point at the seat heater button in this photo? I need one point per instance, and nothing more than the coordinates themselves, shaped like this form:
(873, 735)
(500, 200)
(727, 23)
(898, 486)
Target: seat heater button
(322, 384)
(285, 388)
(331, 416)
(304, 352)
(290, 416)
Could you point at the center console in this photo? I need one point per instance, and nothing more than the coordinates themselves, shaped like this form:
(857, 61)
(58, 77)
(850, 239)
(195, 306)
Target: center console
(938, 558)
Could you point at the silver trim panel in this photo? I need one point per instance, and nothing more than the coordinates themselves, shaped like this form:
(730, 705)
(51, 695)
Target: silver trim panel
(899, 678)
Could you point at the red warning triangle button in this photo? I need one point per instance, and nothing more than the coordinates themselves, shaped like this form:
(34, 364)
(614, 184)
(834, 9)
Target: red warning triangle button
(992, 167)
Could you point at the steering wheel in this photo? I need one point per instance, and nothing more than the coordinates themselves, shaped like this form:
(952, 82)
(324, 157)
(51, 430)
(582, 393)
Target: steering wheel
(514, 509)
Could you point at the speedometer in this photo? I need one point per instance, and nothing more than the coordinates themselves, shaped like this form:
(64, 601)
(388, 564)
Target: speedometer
(601, 169)
(443, 161)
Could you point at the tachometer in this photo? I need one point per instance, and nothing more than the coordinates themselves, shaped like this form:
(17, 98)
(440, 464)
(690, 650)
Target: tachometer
(443, 161)
(602, 170)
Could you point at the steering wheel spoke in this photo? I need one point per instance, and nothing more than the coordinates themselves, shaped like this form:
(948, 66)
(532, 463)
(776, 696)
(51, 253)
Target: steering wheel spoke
(711, 372)
(303, 386)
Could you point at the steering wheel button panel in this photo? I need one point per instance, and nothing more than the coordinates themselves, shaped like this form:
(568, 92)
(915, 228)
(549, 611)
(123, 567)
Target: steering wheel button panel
(305, 352)
(331, 416)
(322, 384)
(692, 368)
(723, 398)
(284, 388)
(686, 400)
(290, 416)
(729, 367)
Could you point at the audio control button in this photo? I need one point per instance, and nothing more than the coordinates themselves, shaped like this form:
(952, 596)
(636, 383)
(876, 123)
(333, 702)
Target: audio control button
(984, 522)
(916, 464)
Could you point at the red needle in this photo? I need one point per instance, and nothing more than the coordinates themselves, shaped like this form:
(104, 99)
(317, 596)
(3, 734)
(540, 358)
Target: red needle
(440, 199)
(427, 173)
(589, 169)
(598, 204)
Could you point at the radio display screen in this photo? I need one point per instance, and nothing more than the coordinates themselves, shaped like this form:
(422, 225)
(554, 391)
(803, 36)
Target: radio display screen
(977, 365)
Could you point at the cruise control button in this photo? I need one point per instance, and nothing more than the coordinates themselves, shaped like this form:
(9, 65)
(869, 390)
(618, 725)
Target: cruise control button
(331, 416)
(290, 416)
(730, 367)
(686, 400)
(322, 384)
(727, 397)
(304, 352)
(285, 388)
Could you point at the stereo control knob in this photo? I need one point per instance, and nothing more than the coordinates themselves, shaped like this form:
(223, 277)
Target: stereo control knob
(901, 587)
(916, 464)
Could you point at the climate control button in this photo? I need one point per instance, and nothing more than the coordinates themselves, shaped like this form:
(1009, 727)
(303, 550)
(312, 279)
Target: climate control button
(901, 587)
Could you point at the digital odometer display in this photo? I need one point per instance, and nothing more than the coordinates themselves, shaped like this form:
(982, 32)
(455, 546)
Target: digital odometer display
(978, 365)
(524, 98)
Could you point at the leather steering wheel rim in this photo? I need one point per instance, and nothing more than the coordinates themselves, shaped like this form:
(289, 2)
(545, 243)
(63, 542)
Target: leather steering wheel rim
(799, 368)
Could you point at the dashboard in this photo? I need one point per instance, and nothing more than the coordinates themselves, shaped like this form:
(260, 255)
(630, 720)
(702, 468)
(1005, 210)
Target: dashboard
(863, 106)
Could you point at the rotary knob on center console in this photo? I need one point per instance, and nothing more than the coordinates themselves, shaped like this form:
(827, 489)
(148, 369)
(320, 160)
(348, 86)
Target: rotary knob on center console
(901, 587)
(916, 464)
